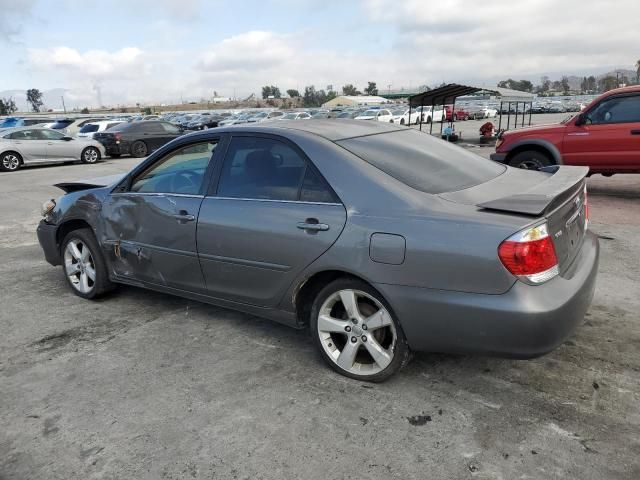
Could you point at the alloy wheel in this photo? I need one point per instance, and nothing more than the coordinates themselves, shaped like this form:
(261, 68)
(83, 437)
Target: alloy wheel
(79, 266)
(356, 332)
(533, 164)
(91, 155)
(10, 162)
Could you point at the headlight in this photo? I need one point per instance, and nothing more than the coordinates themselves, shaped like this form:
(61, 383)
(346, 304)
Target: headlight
(47, 207)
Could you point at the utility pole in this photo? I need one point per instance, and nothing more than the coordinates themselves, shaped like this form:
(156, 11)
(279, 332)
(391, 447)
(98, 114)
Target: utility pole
(63, 106)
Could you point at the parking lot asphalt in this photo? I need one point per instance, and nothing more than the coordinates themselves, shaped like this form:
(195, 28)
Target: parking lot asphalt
(143, 385)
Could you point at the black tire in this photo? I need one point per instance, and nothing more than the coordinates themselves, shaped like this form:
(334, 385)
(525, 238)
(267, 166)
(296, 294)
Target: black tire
(90, 155)
(530, 160)
(139, 149)
(401, 352)
(101, 284)
(10, 161)
(428, 120)
(402, 121)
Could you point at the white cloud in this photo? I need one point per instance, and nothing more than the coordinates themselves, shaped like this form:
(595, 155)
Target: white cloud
(94, 63)
(458, 39)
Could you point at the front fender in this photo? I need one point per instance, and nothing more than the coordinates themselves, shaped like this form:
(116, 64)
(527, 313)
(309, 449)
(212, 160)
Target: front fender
(537, 142)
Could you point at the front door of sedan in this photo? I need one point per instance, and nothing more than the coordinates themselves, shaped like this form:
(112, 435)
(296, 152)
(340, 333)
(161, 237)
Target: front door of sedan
(150, 219)
(30, 144)
(59, 146)
(270, 215)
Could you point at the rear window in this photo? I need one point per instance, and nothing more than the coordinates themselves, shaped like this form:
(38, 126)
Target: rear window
(422, 162)
(89, 127)
(60, 124)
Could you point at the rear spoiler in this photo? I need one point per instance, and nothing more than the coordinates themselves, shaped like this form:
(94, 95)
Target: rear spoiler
(79, 185)
(543, 197)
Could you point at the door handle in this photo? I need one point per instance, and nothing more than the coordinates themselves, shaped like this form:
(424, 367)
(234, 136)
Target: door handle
(635, 132)
(183, 216)
(312, 225)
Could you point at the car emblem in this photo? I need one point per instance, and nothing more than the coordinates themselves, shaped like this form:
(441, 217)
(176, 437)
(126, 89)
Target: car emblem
(558, 234)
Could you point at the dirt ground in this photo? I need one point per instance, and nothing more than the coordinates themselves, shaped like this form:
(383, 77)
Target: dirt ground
(142, 385)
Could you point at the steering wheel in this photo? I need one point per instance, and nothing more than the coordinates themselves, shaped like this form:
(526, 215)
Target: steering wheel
(187, 181)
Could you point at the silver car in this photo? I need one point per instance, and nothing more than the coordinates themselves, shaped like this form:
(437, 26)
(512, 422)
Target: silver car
(378, 238)
(27, 145)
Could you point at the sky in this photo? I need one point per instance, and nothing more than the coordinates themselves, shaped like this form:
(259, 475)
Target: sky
(118, 52)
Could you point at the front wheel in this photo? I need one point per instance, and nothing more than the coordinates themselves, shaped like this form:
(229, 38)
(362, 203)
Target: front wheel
(356, 331)
(90, 155)
(84, 267)
(530, 160)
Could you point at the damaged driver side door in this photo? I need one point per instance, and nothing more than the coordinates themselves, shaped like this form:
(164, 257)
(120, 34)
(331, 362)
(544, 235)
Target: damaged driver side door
(150, 219)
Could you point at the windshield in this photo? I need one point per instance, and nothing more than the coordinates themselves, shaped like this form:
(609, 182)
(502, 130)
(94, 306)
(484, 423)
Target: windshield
(369, 113)
(290, 116)
(423, 162)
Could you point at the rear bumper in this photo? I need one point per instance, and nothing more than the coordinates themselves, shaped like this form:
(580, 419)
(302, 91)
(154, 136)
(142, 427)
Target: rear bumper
(525, 322)
(48, 241)
(498, 157)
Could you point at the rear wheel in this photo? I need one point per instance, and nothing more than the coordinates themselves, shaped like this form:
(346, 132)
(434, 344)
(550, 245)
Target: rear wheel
(90, 155)
(402, 121)
(139, 149)
(84, 267)
(530, 160)
(10, 162)
(356, 331)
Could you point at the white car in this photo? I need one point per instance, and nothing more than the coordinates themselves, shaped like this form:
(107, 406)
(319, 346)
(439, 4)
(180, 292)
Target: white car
(381, 115)
(489, 112)
(26, 145)
(295, 116)
(90, 129)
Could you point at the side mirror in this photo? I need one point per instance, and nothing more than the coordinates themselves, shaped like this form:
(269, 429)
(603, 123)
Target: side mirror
(580, 120)
(67, 138)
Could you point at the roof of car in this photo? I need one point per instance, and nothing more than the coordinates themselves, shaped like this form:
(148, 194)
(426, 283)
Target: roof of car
(329, 129)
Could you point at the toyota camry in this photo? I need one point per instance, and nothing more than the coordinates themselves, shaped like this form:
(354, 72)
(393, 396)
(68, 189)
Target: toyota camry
(380, 239)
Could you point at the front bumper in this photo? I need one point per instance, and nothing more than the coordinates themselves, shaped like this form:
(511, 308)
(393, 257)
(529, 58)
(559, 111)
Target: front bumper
(47, 236)
(525, 322)
(498, 157)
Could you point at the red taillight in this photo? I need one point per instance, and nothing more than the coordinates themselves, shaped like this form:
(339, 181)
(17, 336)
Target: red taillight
(530, 254)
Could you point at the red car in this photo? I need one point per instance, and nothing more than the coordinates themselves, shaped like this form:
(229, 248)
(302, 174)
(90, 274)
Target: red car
(458, 114)
(605, 137)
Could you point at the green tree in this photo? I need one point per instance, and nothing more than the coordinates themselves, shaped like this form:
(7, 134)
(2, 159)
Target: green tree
(271, 90)
(34, 97)
(350, 90)
(371, 89)
(7, 106)
(292, 92)
(84, 110)
(520, 85)
(565, 85)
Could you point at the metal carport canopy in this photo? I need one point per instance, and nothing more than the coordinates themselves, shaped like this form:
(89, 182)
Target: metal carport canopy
(448, 93)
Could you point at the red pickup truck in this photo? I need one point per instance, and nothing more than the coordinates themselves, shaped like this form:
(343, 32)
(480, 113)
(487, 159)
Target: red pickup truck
(605, 137)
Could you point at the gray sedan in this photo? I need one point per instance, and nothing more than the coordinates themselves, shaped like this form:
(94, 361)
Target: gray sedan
(378, 238)
(30, 145)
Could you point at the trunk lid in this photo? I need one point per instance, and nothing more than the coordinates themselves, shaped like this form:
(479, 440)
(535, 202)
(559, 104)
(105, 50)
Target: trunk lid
(557, 195)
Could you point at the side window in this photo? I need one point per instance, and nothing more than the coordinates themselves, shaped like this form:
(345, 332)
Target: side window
(315, 189)
(24, 135)
(50, 135)
(182, 171)
(170, 128)
(261, 168)
(616, 110)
